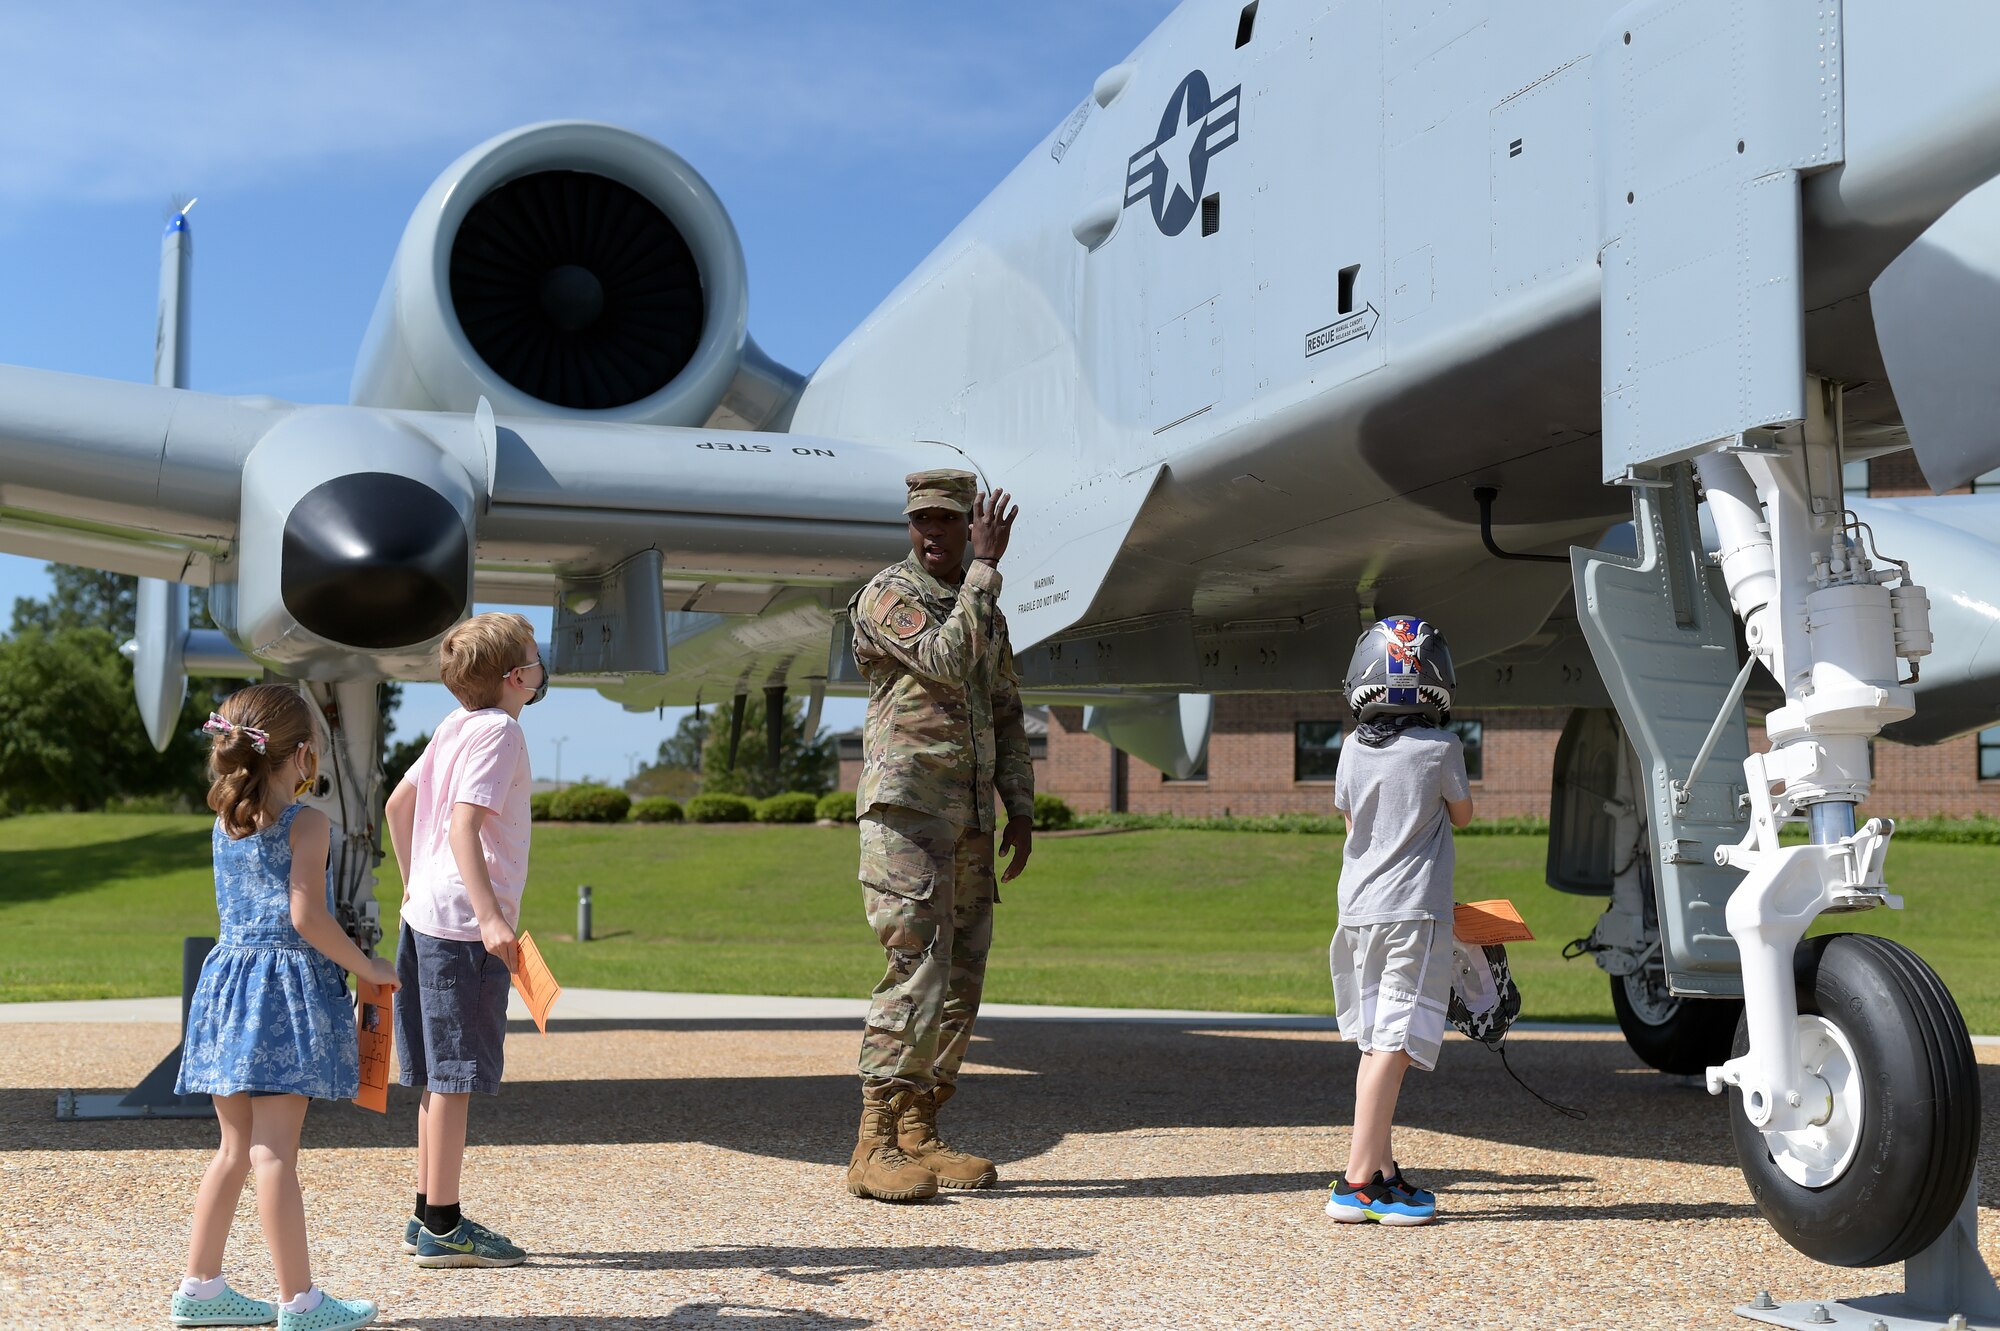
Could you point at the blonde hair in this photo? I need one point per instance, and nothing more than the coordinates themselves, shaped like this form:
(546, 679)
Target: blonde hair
(241, 782)
(475, 656)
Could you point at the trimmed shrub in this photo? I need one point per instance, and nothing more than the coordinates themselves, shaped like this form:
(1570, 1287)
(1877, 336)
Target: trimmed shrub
(794, 806)
(720, 809)
(542, 805)
(590, 804)
(1052, 814)
(656, 809)
(1978, 830)
(836, 806)
(1307, 824)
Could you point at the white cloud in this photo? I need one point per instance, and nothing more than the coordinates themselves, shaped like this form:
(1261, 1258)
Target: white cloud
(131, 101)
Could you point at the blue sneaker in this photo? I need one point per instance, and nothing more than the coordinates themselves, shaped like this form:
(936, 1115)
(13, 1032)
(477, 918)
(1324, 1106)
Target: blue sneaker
(1352, 1203)
(1397, 1180)
(470, 1244)
(410, 1228)
(331, 1315)
(226, 1309)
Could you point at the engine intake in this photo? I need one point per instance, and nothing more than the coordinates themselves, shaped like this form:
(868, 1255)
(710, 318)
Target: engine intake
(576, 289)
(567, 269)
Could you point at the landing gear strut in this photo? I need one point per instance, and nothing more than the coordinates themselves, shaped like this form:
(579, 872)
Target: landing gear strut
(1855, 1096)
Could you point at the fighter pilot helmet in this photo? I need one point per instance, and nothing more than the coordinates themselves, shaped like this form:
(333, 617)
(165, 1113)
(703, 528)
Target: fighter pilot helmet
(1401, 667)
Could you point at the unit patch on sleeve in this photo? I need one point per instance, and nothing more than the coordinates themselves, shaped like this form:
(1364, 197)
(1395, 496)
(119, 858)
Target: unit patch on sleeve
(901, 618)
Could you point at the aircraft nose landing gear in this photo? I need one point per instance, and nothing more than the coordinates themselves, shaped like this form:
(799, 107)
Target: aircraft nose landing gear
(1876, 1170)
(1854, 1092)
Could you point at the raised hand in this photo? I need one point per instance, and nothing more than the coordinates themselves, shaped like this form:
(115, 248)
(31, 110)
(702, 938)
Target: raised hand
(992, 525)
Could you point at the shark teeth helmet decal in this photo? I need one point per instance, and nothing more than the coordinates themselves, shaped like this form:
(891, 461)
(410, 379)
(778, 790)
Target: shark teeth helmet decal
(1401, 667)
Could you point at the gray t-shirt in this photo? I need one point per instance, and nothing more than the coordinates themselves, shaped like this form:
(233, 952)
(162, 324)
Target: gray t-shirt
(1397, 863)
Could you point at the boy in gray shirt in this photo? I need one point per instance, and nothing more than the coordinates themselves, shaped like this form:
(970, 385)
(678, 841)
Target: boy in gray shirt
(1402, 788)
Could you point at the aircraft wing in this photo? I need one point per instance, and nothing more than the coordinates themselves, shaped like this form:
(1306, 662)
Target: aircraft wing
(331, 533)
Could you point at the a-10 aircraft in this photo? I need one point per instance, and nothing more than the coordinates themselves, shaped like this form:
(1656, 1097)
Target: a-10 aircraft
(1309, 312)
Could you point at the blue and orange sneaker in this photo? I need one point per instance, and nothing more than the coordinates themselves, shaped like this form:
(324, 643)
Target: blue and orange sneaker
(1352, 1203)
(1397, 1180)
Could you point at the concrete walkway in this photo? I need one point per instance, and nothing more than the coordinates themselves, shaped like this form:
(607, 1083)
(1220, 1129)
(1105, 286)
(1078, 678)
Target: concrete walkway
(640, 1005)
(636, 1005)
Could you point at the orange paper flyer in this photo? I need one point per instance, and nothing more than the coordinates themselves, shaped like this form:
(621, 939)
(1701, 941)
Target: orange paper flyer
(1482, 922)
(537, 987)
(374, 1018)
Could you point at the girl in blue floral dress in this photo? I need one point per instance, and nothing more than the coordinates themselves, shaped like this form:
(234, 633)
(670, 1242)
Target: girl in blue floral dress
(271, 1025)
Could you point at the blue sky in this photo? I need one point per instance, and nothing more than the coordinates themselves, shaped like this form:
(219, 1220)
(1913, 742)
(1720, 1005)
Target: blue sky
(845, 141)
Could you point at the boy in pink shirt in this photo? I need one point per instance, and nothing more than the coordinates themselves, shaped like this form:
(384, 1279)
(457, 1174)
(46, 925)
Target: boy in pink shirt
(459, 822)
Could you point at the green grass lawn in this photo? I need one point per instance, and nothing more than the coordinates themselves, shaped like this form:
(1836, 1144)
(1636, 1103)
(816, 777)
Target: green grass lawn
(94, 906)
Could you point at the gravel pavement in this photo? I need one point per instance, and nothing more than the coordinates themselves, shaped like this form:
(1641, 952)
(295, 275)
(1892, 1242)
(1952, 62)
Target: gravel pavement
(687, 1174)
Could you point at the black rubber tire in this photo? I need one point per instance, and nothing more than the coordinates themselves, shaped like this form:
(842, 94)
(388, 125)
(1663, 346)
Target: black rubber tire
(1695, 1038)
(1920, 1108)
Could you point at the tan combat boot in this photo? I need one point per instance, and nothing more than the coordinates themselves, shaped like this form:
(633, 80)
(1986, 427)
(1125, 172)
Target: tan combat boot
(879, 1168)
(916, 1133)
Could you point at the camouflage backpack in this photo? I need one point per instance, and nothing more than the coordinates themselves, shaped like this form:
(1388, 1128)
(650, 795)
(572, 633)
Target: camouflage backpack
(1484, 1001)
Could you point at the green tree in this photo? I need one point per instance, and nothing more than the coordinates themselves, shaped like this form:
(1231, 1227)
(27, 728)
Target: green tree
(401, 757)
(683, 748)
(803, 764)
(70, 735)
(675, 771)
(63, 649)
(82, 598)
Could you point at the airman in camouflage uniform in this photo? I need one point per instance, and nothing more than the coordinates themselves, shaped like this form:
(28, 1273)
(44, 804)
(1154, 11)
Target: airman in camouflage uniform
(943, 735)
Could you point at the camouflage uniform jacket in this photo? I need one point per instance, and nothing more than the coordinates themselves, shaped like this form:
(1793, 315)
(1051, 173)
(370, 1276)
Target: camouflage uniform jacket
(944, 704)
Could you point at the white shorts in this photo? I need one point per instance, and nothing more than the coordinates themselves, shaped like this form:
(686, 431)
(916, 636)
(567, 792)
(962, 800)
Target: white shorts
(1391, 983)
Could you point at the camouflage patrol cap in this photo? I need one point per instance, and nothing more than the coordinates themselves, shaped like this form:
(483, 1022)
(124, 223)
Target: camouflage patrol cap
(941, 487)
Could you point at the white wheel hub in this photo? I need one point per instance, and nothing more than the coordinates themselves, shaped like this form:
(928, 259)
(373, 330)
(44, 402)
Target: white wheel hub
(1816, 1155)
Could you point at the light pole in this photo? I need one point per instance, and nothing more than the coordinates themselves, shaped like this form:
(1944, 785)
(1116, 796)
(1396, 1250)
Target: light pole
(559, 743)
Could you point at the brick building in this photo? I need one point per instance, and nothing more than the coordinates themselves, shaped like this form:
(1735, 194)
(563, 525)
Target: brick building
(1275, 753)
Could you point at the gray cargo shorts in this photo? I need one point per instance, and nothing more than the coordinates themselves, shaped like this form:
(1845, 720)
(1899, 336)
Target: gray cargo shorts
(451, 1014)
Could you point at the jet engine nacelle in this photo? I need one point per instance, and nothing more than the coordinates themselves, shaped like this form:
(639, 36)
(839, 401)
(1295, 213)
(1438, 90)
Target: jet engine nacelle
(355, 551)
(563, 269)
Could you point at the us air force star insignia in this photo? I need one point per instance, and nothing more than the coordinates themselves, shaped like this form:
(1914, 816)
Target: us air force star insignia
(905, 620)
(1194, 128)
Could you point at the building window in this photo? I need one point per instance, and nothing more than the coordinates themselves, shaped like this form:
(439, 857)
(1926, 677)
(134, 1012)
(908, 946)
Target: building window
(1854, 478)
(1989, 753)
(1472, 735)
(1986, 483)
(1315, 750)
